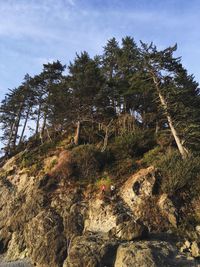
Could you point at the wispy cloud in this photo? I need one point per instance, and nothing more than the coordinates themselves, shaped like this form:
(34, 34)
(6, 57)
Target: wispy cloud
(35, 31)
(33, 19)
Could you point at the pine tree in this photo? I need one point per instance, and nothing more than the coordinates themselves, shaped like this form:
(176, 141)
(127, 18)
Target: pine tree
(165, 70)
(85, 80)
(51, 77)
(110, 69)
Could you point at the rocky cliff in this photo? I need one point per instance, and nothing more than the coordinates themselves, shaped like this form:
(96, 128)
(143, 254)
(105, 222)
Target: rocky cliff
(55, 222)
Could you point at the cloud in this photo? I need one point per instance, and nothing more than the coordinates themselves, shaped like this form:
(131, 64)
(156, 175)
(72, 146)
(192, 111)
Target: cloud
(33, 32)
(33, 19)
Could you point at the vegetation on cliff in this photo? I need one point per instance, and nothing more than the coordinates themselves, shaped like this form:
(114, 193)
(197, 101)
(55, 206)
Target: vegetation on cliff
(109, 117)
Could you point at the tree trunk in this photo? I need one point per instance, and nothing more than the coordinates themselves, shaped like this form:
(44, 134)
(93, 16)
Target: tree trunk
(105, 141)
(38, 120)
(77, 134)
(8, 147)
(24, 127)
(181, 148)
(43, 127)
(16, 126)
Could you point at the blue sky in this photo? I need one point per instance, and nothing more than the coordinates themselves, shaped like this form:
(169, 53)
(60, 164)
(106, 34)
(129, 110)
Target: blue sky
(33, 32)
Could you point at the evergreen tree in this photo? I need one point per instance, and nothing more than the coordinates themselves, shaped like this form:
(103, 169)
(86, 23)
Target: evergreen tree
(85, 81)
(51, 77)
(165, 70)
(148, 86)
(110, 69)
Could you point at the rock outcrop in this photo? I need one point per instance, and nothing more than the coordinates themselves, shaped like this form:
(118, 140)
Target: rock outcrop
(150, 254)
(91, 250)
(138, 189)
(45, 240)
(54, 223)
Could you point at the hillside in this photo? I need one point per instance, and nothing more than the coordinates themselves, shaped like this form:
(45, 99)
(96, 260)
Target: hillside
(100, 164)
(54, 213)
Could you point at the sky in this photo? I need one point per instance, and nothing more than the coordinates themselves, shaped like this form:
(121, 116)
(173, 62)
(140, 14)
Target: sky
(33, 32)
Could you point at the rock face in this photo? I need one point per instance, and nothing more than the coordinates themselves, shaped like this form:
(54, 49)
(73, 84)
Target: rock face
(91, 250)
(150, 254)
(195, 249)
(101, 217)
(16, 248)
(139, 192)
(137, 189)
(54, 223)
(131, 230)
(16, 264)
(45, 240)
(168, 209)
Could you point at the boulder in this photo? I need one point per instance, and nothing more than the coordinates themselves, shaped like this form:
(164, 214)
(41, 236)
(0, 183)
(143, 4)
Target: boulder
(195, 249)
(45, 240)
(150, 254)
(91, 250)
(138, 189)
(101, 217)
(131, 230)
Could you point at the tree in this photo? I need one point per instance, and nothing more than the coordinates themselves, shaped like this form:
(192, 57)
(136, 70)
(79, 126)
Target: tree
(85, 81)
(127, 65)
(49, 80)
(164, 70)
(110, 68)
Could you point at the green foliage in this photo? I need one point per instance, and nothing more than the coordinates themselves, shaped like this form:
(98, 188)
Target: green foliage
(152, 156)
(125, 80)
(35, 168)
(133, 145)
(103, 180)
(28, 159)
(45, 148)
(88, 161)
(179, 174)
(122, 168)
(32, 159)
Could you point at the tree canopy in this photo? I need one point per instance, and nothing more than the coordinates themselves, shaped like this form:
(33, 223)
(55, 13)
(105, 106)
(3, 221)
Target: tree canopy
(149, 86)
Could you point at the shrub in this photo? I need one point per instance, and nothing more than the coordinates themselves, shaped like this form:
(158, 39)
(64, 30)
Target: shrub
(88, 161)
(105, 180)
(28, 159)
(153, 156)
(133, 144)
(123, 168)
(46, 147)
(35, 168)
(178, 173)
(164, 138)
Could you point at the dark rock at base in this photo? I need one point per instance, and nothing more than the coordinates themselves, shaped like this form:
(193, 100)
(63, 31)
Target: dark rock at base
(19, 263)
(91, 250)
(151, 254)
